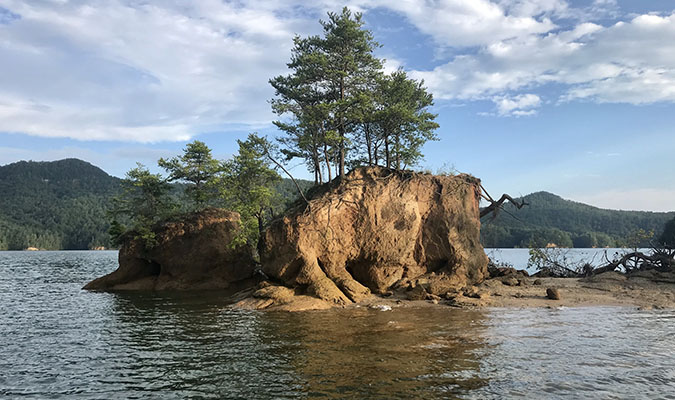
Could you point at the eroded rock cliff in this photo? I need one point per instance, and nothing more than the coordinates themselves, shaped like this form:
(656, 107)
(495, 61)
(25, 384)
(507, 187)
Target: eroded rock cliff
(374, 231)
(193, 252)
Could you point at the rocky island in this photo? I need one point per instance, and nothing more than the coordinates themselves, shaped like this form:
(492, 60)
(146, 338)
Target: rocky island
(376, 237)
(373, 232)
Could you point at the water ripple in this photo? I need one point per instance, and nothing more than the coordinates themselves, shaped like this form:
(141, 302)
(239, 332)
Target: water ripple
(57, 341)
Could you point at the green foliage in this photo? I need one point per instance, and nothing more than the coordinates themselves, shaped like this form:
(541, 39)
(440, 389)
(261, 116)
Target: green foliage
(548, 215)
(248, 186)
(343, 109)
(54, 205)
(639, 238)
(667, 237)
(404, 123)
(144, 201)
(68, 205)
(116, 231)
(198, 170)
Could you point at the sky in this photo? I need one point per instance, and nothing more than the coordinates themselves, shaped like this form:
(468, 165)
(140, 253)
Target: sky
(572, 97)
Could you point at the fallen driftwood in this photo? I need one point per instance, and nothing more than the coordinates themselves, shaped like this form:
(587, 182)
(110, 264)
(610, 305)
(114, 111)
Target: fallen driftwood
(556, 263)
(659, 259)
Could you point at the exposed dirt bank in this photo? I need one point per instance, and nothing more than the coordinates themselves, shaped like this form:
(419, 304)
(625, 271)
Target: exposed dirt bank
(374, 231)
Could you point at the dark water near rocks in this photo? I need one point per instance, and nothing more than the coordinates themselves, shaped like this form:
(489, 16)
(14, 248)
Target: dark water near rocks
(57, 341)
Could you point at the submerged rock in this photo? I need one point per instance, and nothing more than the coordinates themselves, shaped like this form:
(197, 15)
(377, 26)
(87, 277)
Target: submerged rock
(193, 252)
(374, 228)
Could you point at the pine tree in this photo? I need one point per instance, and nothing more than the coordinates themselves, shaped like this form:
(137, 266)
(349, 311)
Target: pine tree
(143, 202)
(324, 94)
(350, 69)
(249, 186)
(198, 169)
(404, 120)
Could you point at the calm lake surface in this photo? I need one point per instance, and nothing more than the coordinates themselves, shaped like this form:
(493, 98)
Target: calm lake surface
(58, 341)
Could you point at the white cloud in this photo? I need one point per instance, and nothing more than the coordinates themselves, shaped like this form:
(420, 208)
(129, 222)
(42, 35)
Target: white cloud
(521, 105)
(152, 71)
(662, 200)
(476, 22)
(391, 64)
(145, 72)
(629, 62)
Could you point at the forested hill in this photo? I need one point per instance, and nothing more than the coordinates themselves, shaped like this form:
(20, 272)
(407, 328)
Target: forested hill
(551, 219)
(54, 205)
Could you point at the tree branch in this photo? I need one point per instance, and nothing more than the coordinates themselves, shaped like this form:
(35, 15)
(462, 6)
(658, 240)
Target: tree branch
(495, 205)
(267, 153)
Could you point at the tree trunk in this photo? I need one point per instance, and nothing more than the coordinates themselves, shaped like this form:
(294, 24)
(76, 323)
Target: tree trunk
(398, 153)
(261, 226)
(318, 178)
(386, 152)
(369, 144)
(325, 154)
(341, 130)
(376, 156)
(496, 205)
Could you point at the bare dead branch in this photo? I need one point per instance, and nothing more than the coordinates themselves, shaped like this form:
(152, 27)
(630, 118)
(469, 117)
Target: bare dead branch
(656, 260)
(496, 205)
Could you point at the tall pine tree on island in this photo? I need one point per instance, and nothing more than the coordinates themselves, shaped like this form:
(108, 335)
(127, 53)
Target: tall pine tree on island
(343, 109)
(404, 121)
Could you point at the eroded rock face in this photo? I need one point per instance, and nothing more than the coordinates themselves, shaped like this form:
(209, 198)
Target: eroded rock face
(375, 230)
(192, 253)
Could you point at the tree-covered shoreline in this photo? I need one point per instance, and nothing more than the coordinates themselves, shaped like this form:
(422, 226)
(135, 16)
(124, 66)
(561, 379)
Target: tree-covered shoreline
(41, 214)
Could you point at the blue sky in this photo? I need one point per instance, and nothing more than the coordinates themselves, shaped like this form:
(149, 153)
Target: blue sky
(572, 97)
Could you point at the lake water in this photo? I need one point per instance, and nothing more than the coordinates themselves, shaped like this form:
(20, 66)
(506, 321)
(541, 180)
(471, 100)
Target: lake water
(58, 341)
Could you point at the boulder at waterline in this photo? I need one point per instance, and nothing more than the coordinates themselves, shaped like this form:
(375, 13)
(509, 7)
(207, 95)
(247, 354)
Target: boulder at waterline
(192, 252)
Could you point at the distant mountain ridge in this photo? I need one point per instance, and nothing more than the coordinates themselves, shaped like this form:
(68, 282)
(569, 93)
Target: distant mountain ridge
(54, 205)
(62, 205)
(551, 219)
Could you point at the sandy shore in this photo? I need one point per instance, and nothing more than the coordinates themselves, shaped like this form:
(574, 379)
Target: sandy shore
(645, 290)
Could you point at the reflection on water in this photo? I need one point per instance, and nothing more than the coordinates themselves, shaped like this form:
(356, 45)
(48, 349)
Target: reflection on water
(198, 345)
(59, 341)
(368, 353)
